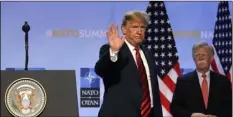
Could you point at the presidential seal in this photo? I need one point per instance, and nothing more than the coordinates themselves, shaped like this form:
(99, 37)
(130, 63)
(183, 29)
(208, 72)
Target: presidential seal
(25, 97)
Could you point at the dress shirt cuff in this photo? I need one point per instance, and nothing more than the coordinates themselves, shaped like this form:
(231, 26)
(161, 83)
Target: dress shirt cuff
(113, 55)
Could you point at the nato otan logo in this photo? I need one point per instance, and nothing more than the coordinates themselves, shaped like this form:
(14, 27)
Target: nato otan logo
(89, 88)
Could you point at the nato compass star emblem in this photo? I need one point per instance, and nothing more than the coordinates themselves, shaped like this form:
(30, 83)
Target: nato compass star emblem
(90, 77)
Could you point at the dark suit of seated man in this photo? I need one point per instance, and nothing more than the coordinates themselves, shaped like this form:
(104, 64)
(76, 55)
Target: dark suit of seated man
(202, 93)
(126, 67)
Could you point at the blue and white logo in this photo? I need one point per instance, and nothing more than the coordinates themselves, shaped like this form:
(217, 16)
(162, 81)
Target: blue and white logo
(88, 78)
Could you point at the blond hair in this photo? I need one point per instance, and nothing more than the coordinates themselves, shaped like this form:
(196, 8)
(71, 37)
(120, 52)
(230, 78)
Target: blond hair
(132, 15)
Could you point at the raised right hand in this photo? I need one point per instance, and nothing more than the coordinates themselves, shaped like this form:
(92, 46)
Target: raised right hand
(114, 39)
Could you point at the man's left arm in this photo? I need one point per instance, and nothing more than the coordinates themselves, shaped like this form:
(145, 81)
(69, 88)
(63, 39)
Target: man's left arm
(226, 100)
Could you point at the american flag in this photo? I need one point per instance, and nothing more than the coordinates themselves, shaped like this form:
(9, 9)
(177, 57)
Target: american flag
(222, 41)
(160, 40)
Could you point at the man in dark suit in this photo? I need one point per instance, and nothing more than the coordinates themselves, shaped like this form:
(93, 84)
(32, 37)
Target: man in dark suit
(126, 67)
(202, 93)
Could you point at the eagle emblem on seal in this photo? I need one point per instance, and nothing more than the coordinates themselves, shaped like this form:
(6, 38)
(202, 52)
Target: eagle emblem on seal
(25, 97)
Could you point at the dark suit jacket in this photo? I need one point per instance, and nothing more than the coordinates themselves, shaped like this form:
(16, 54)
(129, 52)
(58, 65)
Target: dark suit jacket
(123, 93)
(187, 98)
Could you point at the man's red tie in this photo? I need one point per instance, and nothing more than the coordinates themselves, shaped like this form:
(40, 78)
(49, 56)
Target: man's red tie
(146, 102)
(204, 88)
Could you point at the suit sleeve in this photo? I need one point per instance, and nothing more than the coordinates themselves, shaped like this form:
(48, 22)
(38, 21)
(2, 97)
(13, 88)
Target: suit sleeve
(104, 65)
(177, 107)
(226, 101)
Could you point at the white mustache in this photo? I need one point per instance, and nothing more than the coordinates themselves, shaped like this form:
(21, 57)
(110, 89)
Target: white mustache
(201, 61)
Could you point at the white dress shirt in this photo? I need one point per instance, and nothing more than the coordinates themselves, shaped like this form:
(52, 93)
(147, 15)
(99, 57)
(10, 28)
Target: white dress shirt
(207, 78)
(114, 58)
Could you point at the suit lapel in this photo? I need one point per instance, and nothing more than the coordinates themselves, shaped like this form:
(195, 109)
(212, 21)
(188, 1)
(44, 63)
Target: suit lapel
(197, 89)
(212, 91)
(149, 62)
(126, 54)
(126, 51)
(132, 75)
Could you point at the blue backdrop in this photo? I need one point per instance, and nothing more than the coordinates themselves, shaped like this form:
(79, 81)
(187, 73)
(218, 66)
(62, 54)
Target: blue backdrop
(68, 35)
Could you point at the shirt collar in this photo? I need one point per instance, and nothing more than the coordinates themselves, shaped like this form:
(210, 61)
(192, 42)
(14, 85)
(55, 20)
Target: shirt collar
(200, 74)
(131, 47)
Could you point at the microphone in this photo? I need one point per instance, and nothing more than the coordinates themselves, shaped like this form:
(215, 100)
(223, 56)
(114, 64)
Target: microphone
(26, 28)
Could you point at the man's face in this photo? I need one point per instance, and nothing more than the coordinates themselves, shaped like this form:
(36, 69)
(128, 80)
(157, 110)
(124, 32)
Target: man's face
(202, 58)
(134, 31)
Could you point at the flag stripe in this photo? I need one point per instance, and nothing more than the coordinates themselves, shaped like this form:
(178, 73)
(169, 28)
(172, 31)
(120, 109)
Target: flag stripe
(174, 73)
(230, 74)
(165, 112)
(214, 66)
(165, 102)
(177, 69)
(165, 90)
(171, 85)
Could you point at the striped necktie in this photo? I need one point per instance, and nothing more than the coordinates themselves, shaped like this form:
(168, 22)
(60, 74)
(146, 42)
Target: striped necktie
(146, 103)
